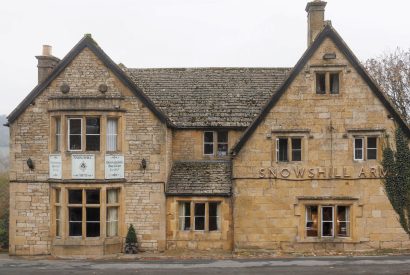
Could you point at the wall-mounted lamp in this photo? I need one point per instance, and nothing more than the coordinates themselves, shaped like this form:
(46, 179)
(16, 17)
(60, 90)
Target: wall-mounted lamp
(143, 164)
(30, 164)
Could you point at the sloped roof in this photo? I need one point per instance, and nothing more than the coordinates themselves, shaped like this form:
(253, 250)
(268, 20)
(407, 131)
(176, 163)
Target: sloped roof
(197, 178)
(209, 97)
(327, 32)
(87, 42)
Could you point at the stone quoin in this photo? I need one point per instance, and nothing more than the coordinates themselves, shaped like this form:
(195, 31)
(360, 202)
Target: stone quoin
(203, 158)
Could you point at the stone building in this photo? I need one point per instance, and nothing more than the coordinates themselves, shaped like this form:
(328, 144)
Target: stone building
(203, 158)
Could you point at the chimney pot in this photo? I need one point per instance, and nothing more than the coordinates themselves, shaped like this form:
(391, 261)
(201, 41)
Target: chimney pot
(46, 63)
(47, 49)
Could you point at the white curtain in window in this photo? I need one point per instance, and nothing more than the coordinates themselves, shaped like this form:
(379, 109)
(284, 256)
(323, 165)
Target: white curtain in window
(218, 213)
(112, 125)
(112, 196)
(112, 221)
(181, 216)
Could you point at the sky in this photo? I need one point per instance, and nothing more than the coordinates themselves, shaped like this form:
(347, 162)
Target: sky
(185, 33)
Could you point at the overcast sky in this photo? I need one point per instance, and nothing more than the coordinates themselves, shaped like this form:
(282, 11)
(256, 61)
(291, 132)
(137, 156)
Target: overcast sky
(185, 33)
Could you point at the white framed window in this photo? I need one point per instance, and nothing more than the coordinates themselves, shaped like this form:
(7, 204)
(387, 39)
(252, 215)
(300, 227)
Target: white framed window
(57, 205)
(288, 149)
(206, 216)
(343, 221)
(208, 143)
(320, 221)
(358, 148)
(371, 148)
(184, 216)
(75, 126)
(199, 216)
(112, 134)
(365, 148)
(112, 211)
(216, 143)
(57, 141)
(327, 228)
(214, 216)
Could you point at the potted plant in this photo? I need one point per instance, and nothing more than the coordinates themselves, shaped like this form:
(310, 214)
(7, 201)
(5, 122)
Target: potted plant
(131, 246)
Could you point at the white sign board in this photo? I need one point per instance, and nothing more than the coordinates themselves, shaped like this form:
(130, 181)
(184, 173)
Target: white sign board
(55, 166)
(82, 166)
(114, 167)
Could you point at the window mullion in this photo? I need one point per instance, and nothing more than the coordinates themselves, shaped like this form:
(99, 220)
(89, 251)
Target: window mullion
(84, 215)
(206, 227)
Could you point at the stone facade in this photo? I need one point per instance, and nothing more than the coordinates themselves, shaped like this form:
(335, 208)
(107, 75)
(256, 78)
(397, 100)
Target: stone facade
(248, 198)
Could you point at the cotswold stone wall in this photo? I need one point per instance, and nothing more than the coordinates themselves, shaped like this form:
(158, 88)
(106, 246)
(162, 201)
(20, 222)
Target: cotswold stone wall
(270, 213)
(141, 136)
(189, 144)
(199, 240)
(29, 218)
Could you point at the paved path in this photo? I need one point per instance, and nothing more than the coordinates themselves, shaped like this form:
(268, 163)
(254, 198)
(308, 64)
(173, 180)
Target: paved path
(309, 265)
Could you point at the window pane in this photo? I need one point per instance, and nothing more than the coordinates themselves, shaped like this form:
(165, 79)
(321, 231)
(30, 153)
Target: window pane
(112, 221)
(213, 216)
(93, 126)
(92, 196)
(296, 149)
(311, 221)
(358, 145)
(93, 222)
(283, 149)
(199, 216)
(223, 136)
(184, 216)
(75, 126)
(320, 83)
(208, 149)
(222, 149)
(371, 148)
(58, 134)
(327, 221)
(334, 83)
(92, 143)
(75, 142)
(112, 126)
(75, 218)
(75, 196)
(343, 220)
(112, 195)
(209, 137)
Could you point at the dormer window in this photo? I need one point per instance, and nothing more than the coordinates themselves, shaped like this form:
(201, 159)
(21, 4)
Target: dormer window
(216, 143)
(327, 83)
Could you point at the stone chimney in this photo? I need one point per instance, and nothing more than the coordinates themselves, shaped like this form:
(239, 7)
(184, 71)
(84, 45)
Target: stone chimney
(46, 63)
(316, 19)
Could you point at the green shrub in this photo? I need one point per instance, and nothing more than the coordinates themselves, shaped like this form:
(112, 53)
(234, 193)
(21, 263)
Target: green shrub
(131, 235)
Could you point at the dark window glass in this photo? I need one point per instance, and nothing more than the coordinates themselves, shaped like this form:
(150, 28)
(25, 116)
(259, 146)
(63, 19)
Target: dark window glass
(199, 216)
(282, 149)
(92, 196)
(327, 221)
(222, 136)
(334, 83)
(92, 134)
(75, 134)
(209, 136)
(75, 196)
(311, 221)
(371, 148)
(93, 222)
(213, 216)
(222, 149)
(358, 148)
(296, 149)
(343, 220)
(320, 83)
(208, 143)
(75, 218)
